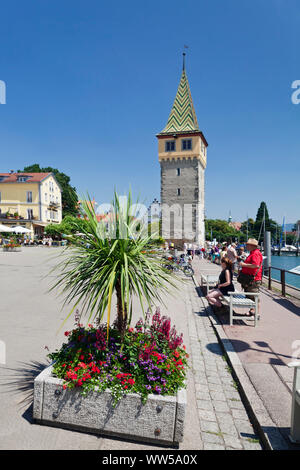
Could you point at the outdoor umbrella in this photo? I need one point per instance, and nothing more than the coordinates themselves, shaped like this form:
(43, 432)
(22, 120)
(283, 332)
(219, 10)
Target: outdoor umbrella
(5, 228)
(19, 229)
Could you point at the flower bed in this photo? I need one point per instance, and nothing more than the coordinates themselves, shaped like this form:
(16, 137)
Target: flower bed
(151, 360)
(134, 391)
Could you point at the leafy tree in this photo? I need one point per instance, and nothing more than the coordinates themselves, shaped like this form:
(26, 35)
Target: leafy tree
(69, 225)
(69, 196)
(220, 230)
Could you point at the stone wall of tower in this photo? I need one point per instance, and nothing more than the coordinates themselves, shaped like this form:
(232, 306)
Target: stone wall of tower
(186, 209)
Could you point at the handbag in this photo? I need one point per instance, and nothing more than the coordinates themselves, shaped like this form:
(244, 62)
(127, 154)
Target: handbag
(247, 279)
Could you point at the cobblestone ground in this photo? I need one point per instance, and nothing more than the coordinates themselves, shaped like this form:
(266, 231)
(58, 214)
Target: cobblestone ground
(224, 423)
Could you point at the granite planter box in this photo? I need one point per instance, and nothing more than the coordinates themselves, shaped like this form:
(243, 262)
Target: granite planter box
(9, 248)
(160, 420)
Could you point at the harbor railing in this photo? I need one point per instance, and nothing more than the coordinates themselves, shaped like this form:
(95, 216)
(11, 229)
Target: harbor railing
(282, 281)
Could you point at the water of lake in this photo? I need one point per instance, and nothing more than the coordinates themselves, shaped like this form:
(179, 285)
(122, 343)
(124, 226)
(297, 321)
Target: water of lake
(286, 262)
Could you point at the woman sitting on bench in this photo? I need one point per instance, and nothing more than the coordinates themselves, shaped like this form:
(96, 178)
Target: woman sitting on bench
(224, 285)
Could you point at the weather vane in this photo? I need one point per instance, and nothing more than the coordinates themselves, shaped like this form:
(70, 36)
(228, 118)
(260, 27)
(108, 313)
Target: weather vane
(183, 66)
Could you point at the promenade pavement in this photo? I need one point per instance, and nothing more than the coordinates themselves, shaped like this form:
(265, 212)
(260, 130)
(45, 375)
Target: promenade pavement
(30, 317)
(264, 351)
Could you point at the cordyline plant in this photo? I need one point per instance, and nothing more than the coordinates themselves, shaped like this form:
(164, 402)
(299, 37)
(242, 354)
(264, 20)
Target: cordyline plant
(112, 256)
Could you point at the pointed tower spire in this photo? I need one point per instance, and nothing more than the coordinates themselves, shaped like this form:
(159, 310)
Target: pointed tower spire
(182, 117)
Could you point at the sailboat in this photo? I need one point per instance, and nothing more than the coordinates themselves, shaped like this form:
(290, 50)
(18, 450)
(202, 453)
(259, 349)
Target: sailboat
(286, 248)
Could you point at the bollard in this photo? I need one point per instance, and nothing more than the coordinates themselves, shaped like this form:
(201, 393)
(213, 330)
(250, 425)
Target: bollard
(295, 418)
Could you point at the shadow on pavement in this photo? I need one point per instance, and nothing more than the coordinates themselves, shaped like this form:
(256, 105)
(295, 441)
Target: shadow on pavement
(20, 381)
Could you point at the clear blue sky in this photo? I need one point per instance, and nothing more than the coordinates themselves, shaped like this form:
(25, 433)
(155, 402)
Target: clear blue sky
(90, 83)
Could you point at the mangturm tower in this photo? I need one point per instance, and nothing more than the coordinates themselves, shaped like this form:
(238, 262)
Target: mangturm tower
(182, 157)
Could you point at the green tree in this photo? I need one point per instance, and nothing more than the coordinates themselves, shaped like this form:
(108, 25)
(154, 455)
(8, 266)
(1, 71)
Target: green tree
(69, 196)
(69, 225)
(262, 222)
(220, 229)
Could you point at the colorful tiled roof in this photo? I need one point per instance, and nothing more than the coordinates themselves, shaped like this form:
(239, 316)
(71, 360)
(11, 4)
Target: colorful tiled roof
(13, 177)
(182, 116)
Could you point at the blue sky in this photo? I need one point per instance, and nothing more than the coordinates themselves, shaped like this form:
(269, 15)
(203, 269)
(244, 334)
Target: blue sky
(90, 84)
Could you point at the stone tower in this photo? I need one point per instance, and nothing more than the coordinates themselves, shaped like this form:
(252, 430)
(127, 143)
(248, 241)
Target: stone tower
(182, 157)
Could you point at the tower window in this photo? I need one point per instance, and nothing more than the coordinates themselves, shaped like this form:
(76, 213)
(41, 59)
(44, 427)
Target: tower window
(170, 146)
(186, 144)
(178, 171)
(178, 192)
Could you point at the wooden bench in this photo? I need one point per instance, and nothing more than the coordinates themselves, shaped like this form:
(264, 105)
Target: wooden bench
(239, 299)
(295, 418)
(210, 280)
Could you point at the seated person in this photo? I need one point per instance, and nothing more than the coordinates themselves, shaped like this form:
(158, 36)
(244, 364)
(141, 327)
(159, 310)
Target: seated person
(224, 285)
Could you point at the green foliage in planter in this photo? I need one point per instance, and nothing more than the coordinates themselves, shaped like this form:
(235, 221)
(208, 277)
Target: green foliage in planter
(112, 256)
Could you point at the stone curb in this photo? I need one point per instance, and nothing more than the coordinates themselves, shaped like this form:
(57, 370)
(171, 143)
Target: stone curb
(266, 428)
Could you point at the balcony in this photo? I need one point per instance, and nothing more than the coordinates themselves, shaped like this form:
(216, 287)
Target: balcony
(53, 204)
(14, 217)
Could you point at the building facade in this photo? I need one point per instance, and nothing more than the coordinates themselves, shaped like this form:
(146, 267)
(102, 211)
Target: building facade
(182, 152)
(32, 200)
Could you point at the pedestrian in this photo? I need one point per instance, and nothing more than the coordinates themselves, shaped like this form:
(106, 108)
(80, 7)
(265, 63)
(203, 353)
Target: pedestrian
(232, 255)
(223, 253)
(224, 285)
(250, 276)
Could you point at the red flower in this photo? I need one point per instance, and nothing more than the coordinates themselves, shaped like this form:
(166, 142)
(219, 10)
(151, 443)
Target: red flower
(67, 333)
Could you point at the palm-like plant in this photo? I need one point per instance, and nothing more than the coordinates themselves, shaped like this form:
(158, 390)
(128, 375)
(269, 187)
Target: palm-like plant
(112, 256)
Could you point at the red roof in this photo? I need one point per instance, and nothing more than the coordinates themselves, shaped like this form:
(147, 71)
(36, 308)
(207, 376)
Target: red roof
(33, 177)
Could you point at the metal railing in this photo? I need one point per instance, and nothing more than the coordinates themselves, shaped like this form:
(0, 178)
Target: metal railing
(282, 280)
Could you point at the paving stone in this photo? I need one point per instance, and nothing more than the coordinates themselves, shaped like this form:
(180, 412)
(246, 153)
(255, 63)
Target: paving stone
(211, 426)
(216, 388)
(214, 380)
(231, 393)
(251, 445)
(207, 415)
(235, 404)
(208, 437)
(219, 396)
(244, 428)
(210, 446)
(226, 424)
(201, 388)
(205, 405)
(202, 395)
(220, 406)
(239, 414)
(232, 441)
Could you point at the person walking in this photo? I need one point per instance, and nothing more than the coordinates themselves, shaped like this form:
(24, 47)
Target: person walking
(232, 255)
(224, 285)
(251, 272)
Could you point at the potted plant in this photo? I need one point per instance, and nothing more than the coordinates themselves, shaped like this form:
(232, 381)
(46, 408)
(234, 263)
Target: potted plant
(109, 377)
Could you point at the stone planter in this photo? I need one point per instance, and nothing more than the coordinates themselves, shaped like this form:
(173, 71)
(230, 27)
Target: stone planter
(160, 420)
(9, 248)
